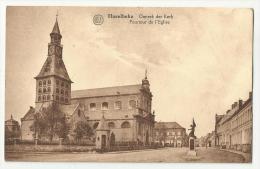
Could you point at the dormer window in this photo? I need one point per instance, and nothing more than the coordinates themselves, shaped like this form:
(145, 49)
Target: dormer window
(104, 106)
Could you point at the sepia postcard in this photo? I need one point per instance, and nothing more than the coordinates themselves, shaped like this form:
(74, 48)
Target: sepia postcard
(128, 84)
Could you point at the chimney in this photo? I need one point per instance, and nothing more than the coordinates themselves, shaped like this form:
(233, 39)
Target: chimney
(250, 95)
(235, 104)
(240, 103)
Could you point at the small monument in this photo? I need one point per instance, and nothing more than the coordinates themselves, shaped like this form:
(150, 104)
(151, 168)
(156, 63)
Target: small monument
(192, 137)
(102, 135)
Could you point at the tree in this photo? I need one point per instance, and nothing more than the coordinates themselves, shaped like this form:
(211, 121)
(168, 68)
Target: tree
(82, 129)
(50, 122)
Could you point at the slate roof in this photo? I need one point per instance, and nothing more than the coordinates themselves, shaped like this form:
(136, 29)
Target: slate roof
(56, 28)
(107, 91)
(168, 125)
(54, 66)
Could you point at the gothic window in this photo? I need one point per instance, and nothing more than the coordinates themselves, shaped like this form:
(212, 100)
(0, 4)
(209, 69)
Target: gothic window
(40, 83)
(40, 90)
(49, 81)
(79, 113)
(44, 90)
(57, 82)
(104, 105)
(111, 125)
(48, 97)
(57, 90)
(92, 106)
(125, 124)
(132, 104)
(62, 91)
(57, 97)
(62, 84)
(44, 82)
(95, 125)
(118, 105)
(43, 97)
(49, 89)
(39, 98)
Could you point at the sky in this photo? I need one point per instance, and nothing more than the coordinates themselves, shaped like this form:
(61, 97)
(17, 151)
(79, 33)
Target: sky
(198, 65)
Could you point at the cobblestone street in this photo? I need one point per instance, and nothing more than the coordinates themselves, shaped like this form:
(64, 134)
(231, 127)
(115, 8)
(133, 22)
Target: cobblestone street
(159, 155)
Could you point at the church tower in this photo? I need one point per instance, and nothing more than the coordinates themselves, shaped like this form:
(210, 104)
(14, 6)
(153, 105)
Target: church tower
(53, 83)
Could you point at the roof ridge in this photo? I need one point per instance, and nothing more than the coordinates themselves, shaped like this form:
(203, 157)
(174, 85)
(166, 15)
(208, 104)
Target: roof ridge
(106, 87)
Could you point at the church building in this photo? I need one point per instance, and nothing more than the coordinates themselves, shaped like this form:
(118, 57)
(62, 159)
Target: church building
(125, 110)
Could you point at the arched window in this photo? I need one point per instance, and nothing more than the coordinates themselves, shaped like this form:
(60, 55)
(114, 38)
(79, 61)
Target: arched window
(92, 106)
(39, 98)
(62, 91)
(57, 82)
(49, 81)
(49, 89)
(125, 124)
(48, 97)
(57, 90)
(104, 105)
(132, 104)
(95, 125)
(118, 105)
(44, 90)
(43, 97)
(40, 83)
(44, 82)
(111, 125)
(40, 90)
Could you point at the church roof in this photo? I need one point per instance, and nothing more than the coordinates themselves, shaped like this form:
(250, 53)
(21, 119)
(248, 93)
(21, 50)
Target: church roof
(107, 91)
(54, 66)
(29, 115)
(167, 125)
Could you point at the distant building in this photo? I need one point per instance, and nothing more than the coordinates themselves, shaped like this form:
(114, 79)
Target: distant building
(234, 129)
(127, 109)
(12, 129)
(170, 133)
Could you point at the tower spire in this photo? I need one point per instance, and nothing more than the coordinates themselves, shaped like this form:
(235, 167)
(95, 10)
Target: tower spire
(145, 73)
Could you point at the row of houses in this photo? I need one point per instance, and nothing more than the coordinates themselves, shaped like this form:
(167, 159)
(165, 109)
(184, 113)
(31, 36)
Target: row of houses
(234, 129)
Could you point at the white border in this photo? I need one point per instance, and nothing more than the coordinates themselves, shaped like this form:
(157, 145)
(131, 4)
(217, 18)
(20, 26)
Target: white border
(255, 4)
